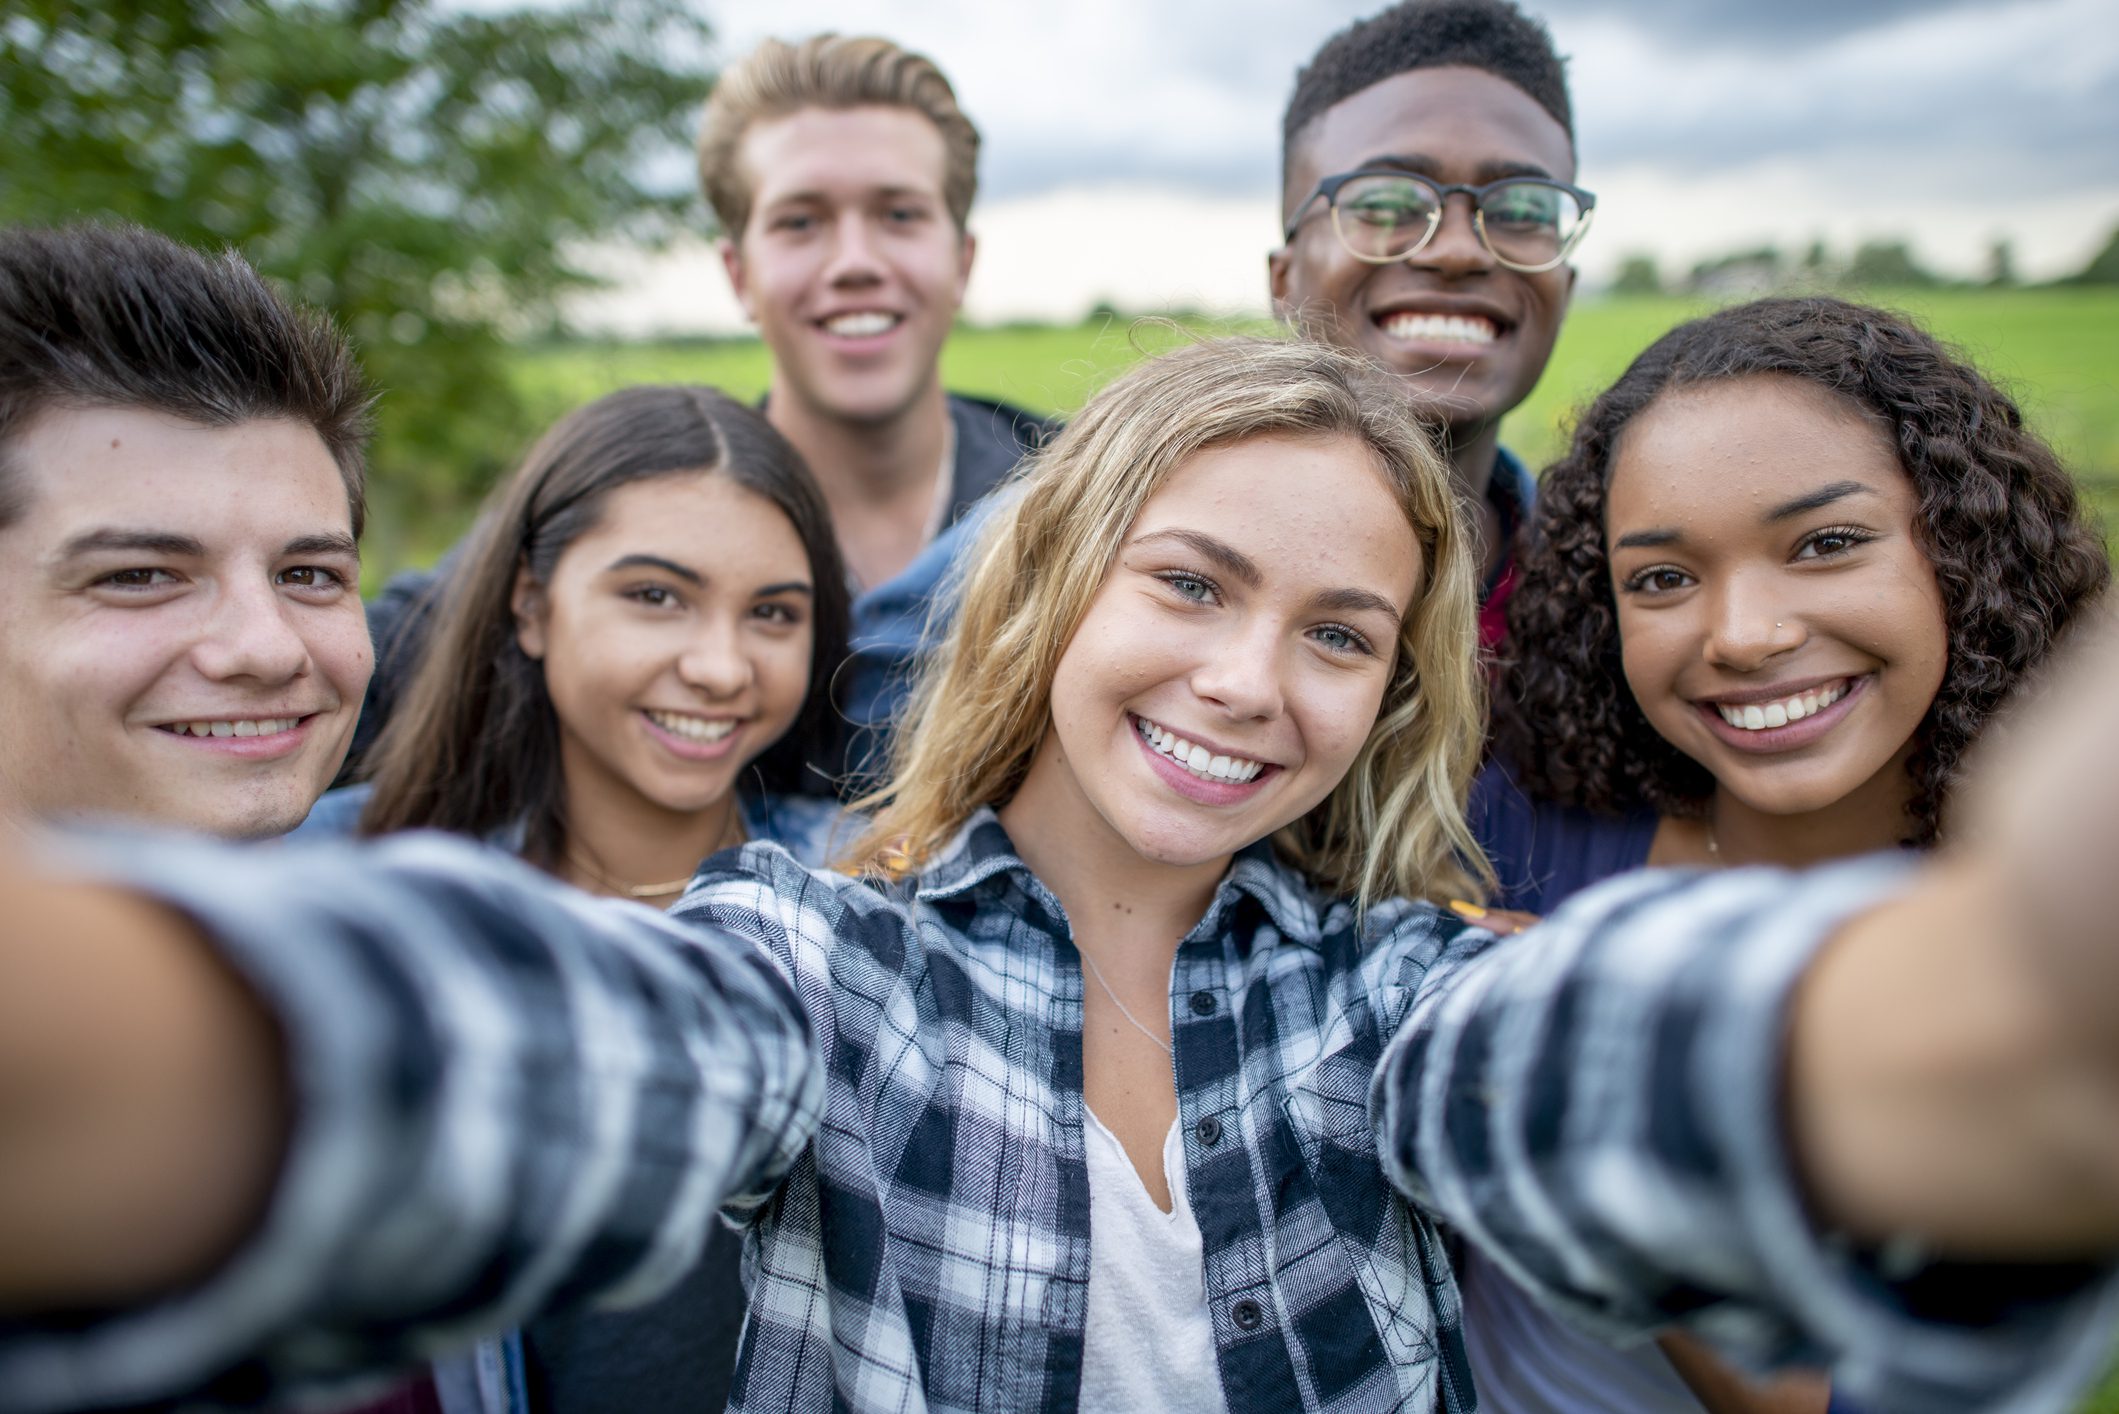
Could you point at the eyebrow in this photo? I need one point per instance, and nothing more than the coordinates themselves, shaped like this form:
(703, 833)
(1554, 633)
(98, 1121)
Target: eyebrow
(151, 542)
(1243, 567)
(792, 586)
(1787, 510)
(1419, 164)
(331, 543)
(1817, 500)
(1356, 601)
(811, 196)
(655, 562)
(1223, 554)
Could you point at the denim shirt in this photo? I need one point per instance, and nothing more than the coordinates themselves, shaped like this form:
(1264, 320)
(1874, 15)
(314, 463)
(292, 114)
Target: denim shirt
(508, 1095)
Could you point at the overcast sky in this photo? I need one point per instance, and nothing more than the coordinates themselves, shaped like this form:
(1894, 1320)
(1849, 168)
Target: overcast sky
(1132, 146)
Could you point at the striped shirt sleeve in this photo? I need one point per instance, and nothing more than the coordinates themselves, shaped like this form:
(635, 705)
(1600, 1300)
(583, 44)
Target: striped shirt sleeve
(1597, 1105)
(507, 1095)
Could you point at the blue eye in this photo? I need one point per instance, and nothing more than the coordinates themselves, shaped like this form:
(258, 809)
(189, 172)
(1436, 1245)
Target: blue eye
(1341, 639)
(1196, 588)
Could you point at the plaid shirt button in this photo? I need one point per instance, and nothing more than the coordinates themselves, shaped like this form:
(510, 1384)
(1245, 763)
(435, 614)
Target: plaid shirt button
(1247, 1314)
(1209, 1131)
(1202, 1004)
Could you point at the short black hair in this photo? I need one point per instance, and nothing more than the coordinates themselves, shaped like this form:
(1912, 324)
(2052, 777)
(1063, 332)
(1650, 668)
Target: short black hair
(96, 315)
(1426, 34)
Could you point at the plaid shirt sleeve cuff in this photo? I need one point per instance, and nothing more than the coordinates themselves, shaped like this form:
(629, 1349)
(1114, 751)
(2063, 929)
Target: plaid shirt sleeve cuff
(1598, 1105)
(507, 1095)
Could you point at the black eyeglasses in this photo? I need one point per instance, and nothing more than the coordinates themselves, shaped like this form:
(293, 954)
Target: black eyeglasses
(1380, 215)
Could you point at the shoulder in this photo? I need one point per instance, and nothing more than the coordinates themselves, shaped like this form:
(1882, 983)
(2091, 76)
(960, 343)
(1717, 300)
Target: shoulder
(336, 816)
(1541, 851)
(991, 438)
(805, 917)
(811, 828)
(1517, 479)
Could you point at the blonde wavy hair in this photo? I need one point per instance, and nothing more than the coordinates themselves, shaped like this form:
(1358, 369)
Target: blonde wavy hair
(835, 71)
(1395, 825)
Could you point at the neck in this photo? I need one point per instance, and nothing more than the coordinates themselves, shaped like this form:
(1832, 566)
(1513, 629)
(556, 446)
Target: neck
(1471, 464)
(866, 463)
(1126, 911)
(1868, 819)
(612, 846)
(1471, 457)
(878, 478)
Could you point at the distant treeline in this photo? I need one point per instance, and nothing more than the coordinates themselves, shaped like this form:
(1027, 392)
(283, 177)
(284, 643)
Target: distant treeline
(1872, 265)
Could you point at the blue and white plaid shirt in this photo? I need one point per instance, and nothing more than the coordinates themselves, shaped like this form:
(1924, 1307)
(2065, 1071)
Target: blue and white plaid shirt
(510, 1095)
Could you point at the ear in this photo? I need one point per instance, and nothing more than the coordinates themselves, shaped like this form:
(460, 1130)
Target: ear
(738, 278)
(527, 602)
(963, 266)
(1277, 280)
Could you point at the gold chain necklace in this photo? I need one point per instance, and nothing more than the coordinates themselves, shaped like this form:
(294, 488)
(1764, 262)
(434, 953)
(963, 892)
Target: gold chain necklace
(589, 867)
(585, 865)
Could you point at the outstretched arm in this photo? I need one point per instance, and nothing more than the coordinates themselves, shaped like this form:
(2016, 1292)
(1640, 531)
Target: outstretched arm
(1809, 1117)
(1954, 1054)
(335, 1110)
(141, 1099)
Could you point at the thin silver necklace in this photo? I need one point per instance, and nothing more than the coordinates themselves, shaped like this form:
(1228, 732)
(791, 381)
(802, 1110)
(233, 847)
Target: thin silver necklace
(1160, 1044)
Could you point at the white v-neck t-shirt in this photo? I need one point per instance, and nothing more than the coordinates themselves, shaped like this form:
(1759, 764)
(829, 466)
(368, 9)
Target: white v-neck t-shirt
(1149, 1344)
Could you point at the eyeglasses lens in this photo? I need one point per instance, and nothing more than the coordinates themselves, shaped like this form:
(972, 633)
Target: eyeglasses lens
(1526, 223)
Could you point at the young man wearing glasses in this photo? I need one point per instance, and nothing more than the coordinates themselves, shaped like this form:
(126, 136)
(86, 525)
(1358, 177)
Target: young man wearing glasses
(1393, 121)
(1390, 122)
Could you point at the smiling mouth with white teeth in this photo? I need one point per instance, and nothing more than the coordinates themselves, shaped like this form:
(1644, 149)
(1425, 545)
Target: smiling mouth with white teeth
(705, 730)
(237, 726)
(1413, 327)
(1197, 759)
(864, 325)
(1765, 716)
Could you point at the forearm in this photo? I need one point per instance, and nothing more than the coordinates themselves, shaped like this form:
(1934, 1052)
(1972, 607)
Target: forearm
(1938, 1095)
(142, 1109)
(500, 1092)
(1604, 1106)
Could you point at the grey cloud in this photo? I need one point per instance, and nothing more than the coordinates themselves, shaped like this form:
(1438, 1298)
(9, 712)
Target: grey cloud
(2048, 139)
(1790, 23)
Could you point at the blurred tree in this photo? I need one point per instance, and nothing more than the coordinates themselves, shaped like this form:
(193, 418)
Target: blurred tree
(2001, 264)
(432, 175)
(1638, 276)
(1887, 264)
(1816, 268)
(2103, 268)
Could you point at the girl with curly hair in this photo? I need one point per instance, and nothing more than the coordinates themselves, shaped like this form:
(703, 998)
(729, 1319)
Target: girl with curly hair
(1795, 560)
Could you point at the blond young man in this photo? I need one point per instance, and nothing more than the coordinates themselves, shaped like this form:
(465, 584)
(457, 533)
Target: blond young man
(842, 173)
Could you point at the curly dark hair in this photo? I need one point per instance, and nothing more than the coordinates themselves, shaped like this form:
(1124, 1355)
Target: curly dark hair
(1424, 34)
(2014, 554)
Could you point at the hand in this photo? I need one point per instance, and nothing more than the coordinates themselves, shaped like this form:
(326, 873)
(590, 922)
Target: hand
(1954, 1054)
(142, 1106)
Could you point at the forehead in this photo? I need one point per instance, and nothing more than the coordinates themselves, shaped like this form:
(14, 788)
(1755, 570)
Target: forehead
(1303, 507)
(831, 151)
(137, 469)
(699, 519)
(1466, 120)
(1736, 448)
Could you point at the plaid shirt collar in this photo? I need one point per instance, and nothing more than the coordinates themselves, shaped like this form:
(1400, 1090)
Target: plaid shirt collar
(981, 858)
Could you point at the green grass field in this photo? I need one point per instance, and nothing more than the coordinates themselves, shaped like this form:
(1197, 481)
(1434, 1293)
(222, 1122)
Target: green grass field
(2057, 351)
